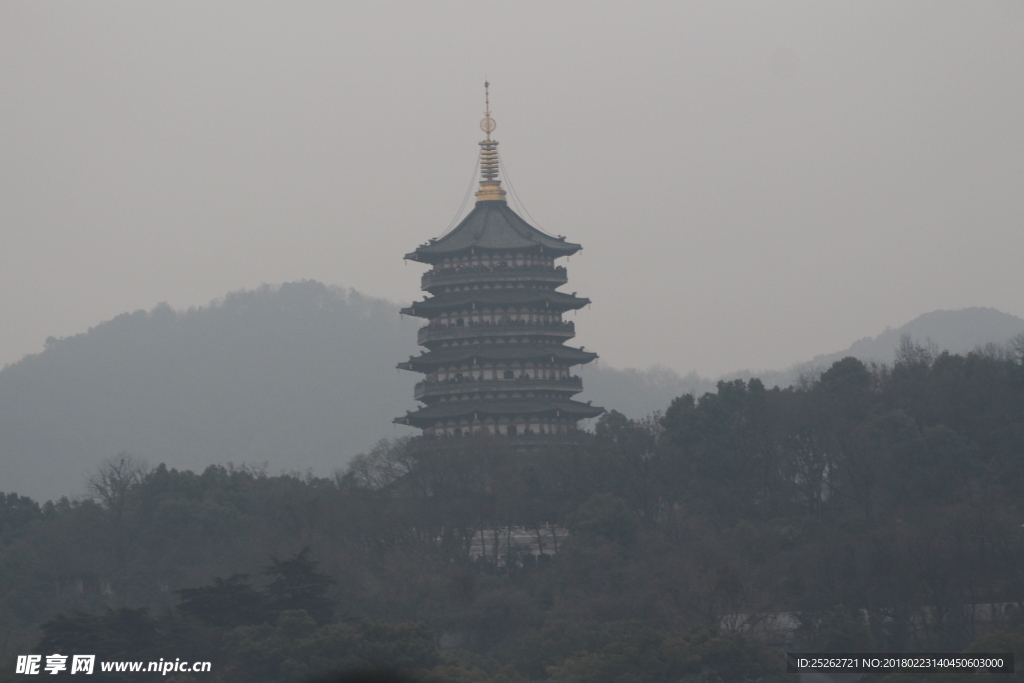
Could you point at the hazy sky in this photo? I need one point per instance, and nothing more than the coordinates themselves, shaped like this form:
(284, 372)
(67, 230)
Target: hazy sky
(753, 183)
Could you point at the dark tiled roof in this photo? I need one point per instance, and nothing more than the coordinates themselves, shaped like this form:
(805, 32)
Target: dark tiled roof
(496, 352)
(495, 297)
(491, 225)
(452, 409)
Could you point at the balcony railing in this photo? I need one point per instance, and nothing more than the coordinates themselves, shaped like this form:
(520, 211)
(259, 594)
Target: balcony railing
(439, 332)
(457, 276)
(428, 388)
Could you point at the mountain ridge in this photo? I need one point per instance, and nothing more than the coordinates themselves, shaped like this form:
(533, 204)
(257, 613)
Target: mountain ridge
(298, 376)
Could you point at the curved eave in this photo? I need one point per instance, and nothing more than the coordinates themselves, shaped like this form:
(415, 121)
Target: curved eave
(495, 297)
(476, 410)
(496, 352)
(491, 226)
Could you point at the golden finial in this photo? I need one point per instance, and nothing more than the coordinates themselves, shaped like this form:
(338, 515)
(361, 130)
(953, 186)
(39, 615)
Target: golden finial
(487, 124)
(490, 186)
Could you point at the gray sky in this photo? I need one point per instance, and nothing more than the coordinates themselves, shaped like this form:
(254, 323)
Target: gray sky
(753, 183)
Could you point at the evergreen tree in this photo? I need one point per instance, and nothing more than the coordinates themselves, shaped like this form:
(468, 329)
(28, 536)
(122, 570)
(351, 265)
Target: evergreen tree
(297, 585)
(227, 602)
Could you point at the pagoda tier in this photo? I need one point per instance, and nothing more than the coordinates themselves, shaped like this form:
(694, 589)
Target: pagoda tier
(438, 334)
(494, 303)
(525, 417)
(496, 360)
(472, 355)
(494, 227)
(459, 273)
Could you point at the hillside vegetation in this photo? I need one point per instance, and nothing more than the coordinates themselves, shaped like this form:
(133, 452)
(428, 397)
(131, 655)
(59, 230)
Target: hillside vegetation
(880, 506)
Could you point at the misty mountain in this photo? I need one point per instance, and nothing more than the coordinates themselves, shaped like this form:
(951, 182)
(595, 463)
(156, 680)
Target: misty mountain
(298, 376)
(955, 331)
(637, 393)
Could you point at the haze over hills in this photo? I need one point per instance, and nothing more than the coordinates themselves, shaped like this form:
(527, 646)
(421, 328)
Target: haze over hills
(637, 393)
(959, 331)
(953, 331)
(299, 376)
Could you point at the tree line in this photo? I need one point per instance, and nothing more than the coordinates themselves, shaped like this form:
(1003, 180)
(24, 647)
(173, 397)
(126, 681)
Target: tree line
(876, 508)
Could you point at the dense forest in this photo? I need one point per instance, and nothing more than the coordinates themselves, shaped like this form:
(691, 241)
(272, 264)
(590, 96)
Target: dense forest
(876, 508)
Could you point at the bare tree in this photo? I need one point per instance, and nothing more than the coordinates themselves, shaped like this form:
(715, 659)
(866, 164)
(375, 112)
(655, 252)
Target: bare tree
(911, 354)
(996, 352)
(1017, 346)
(113, 479)
(388, 461)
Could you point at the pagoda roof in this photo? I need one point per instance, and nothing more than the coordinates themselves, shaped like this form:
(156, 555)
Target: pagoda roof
(496, 352)
(491, 225)
(495, 297)
(424, 417)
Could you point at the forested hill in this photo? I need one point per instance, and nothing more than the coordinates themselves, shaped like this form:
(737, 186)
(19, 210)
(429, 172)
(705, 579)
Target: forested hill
(298, 376)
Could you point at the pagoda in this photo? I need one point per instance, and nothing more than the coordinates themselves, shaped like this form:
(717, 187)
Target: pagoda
(496, 360)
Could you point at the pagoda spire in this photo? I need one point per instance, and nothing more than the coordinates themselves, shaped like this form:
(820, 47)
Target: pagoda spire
(490, 186)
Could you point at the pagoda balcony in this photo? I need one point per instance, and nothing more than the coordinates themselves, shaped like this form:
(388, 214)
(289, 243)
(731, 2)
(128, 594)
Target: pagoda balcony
(427, 443)
(439, 333)
(451, 277)
(434, 389)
